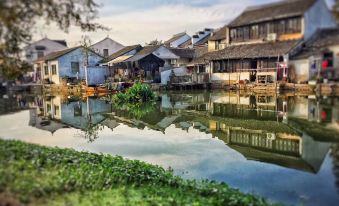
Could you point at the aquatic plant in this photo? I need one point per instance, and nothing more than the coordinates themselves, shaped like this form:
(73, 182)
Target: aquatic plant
(137, 93)
(51, 176)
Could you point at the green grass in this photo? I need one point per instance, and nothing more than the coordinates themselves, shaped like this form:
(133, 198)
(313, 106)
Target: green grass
(51, 176)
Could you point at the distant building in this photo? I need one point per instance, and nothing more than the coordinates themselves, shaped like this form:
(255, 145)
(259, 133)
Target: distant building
(201, 37)
(257, 44)
(42, 48)
(69, 65)
(181, 40)
(106, 47)
(133, 61)
(218, 40)
(318, 59)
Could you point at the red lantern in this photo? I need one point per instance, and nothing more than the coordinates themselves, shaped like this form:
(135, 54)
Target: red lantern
(324, 64)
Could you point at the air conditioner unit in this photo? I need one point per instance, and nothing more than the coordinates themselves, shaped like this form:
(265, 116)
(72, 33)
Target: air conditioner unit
(272, 37)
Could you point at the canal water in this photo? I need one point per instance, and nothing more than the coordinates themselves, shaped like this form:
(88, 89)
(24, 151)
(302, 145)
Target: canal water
(282, 147)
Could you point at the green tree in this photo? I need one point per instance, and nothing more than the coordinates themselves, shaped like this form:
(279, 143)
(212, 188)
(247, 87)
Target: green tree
(17, 20)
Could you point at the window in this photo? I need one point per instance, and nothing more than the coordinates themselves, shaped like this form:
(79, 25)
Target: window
(216, 67)
(105, 52)
(46, 70)
(78, 109)
(202, 69)
(56, 110)
(240, 34)
(293, 25)
(54, 72)
(263, 30)
(281, 27)
(75, 67)
(328, 56)
(216, 45)
(233, 34)
(254, 32)
(48, 108)
(40, 54)
(173, 61)
(246, 33)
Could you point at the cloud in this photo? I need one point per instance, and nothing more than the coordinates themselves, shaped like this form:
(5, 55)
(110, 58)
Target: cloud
(134, 22)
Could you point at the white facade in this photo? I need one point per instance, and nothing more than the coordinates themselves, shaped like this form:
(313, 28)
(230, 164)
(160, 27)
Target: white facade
(63, 68)
(167, 55)
(107, 46)
(41, 48)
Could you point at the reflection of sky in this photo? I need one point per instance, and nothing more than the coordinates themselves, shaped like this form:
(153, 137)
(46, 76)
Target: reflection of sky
(195, 154)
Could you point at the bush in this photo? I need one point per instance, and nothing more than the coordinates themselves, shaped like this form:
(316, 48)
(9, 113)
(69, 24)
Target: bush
(137, 93)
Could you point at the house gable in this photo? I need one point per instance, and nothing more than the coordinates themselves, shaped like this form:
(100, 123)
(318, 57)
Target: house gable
(109, 44)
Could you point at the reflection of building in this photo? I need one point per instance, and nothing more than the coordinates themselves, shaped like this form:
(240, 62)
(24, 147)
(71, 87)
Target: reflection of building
(250, 107)
(252, 126)
(322, 110)
(44, 123)
(76, 114)
(288, 150)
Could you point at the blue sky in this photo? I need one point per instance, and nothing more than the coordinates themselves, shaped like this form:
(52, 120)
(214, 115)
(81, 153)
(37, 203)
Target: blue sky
(140, 21)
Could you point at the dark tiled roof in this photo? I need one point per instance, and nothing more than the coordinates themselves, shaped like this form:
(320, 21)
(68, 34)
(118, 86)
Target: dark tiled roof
(203, 40)
(138, 57)
(186, 44)
(55, 55)
(122, 52)
(319, 41)
(200, 51)
(259, 50)
(199, 55)
(148, 49)
(175, 37)
(145, 51)
(62, 42)
(283, 9)
(219, 35)
(183, 52)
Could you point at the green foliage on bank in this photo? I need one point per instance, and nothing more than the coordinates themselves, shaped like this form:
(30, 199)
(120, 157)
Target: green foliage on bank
(137, 93)
(52, 176)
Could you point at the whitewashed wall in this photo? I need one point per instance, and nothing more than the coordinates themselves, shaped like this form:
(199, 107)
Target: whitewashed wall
(301, 68)
(107, 43)
(50, 45)
(179, 71)
(97, 75)
(230, 76)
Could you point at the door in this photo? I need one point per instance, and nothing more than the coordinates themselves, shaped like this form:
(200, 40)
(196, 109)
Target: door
(253, 73)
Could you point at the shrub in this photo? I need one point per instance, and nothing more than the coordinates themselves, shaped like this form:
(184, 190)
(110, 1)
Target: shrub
(137, 93)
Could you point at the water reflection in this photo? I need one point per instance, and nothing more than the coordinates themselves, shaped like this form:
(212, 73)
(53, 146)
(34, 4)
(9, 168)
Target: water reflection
(254, 125)
(257, 127)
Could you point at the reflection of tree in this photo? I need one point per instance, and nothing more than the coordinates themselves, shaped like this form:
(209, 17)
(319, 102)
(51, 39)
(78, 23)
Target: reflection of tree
(335, 157)
(137, 110)
(91, 131)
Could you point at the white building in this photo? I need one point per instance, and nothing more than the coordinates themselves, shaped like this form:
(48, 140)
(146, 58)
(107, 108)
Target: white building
(70, 65)
(107, 47)
(181, 40)
(42, 48)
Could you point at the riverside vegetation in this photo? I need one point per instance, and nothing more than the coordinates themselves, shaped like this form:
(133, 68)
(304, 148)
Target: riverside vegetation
(41, 175)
